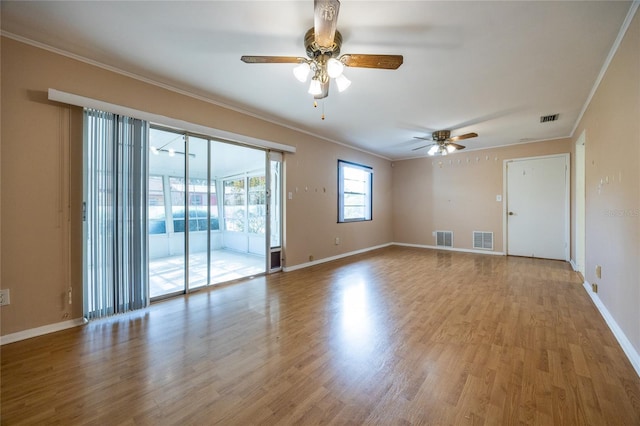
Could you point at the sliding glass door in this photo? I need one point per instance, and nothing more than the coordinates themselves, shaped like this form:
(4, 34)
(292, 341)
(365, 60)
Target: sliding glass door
(199, 208)
(208, 212)
(239, 250)
(167, 194)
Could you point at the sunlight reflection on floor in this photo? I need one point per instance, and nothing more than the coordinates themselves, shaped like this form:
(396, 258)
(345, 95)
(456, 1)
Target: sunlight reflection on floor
(166, 275)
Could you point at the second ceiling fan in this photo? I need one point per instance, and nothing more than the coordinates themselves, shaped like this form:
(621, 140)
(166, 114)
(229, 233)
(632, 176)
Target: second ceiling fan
(322, 44)
(444, 143)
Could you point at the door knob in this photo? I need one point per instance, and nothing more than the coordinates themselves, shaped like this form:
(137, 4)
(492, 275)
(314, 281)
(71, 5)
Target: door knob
(511, 213)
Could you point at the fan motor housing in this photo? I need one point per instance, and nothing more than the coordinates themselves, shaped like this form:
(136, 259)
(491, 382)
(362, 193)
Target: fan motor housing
(441, 135)
(313, 50)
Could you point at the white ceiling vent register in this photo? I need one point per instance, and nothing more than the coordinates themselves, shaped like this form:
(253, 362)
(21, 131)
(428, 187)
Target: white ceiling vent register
(483, 240)
(444, 238)
(548, 118)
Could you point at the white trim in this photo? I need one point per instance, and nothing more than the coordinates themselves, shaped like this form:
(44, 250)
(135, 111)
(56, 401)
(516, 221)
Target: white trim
(39, 331)
(183, 92)
(329, 259)
(580, 190)
(622, 339)
(573, 265)
(504, 206)
(341, 256)
(496, 253)
(481, 148)
(72, 99)
(605, 66)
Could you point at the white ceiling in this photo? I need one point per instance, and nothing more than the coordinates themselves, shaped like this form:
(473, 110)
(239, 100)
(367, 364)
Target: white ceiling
(487, 67)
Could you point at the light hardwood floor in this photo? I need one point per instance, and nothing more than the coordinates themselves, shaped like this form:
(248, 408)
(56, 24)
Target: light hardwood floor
(395, 336)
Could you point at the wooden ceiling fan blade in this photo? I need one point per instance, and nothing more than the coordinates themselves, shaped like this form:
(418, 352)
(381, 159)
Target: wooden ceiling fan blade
(422, 138)
(456, 146)
(388, 62)
(462, 137)
(325, 21)
(272, 59)
(424, 146)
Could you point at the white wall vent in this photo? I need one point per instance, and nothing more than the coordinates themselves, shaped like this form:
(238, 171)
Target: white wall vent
(444, 238)
(483, 240)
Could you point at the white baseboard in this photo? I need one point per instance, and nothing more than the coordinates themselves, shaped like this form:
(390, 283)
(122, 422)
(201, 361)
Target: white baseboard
(329, 259)
(622, 339)
(39, 331)
(496, 253)
(351, 253)
(573, 265)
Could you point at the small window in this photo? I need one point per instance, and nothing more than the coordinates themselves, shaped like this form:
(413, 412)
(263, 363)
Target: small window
(355, 188)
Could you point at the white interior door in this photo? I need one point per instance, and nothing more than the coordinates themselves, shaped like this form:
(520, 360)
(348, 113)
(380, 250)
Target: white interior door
(537, 207)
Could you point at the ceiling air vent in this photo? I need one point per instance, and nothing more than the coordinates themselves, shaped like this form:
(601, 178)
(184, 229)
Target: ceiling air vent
(547, 118)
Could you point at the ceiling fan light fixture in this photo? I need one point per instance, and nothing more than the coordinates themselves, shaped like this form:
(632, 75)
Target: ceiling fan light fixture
(323, 43)
(334, 68)
(433, 150)
(443, 150)
(301, 72)
(315, 88)
(342, 82)
(451, 148)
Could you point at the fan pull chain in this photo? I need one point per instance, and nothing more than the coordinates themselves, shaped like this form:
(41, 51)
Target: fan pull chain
(315, 105)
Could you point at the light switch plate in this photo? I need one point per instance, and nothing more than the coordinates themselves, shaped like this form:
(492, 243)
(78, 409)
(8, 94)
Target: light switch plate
(4, 297)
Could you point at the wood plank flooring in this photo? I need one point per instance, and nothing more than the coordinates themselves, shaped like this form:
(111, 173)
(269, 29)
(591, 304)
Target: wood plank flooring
(393, 337)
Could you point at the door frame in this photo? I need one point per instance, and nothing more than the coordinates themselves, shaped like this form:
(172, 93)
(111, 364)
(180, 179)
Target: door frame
(581, 218)
(567, 193)
(274, 156)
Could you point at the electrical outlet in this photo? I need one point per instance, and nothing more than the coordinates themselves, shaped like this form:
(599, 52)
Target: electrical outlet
(4, 297)
(598, 271)
(594, 287)
(337, 240)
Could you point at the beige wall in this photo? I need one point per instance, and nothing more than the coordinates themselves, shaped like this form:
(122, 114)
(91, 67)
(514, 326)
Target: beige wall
(41, 179)
(456, 193)
(612, 128)
(312, 214)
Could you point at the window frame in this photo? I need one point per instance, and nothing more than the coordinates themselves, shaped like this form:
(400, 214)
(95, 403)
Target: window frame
(228, 217)
(368, 204)
(155, 195)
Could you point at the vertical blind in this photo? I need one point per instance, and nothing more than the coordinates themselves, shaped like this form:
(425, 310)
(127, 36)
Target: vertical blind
(115, 214)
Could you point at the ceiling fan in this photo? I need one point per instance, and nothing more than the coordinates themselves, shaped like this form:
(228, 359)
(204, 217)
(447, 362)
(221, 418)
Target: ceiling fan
(444, 143)
(322, 44)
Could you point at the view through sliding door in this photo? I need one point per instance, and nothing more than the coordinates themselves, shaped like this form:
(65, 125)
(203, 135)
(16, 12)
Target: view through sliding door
(208, 212)
(167, 223)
